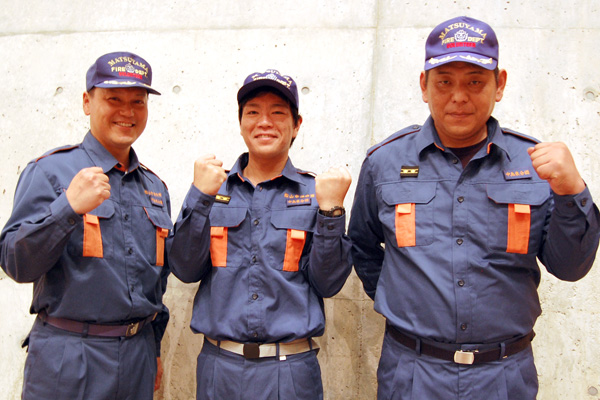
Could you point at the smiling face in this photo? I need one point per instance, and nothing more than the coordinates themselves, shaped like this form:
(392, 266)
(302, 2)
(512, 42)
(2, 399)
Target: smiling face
(461, 98)
(268, 128)
(117, 117)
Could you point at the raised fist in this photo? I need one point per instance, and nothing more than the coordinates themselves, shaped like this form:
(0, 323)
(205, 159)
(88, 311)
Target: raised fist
(87, 190)
(554, 163)
(209, 174)
(331, 187)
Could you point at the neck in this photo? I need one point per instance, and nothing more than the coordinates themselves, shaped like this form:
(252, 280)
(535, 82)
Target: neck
(259, 170)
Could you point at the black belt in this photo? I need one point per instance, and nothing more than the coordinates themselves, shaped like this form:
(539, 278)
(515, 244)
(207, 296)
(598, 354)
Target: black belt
(460, 356)
(84, 328)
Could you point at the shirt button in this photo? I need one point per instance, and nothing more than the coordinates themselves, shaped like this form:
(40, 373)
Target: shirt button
(460, 199)
(254, 296)
(459, 241)
(463, 327)
(254, 334)
(583, 202)
(256, 222)
(132, 288)
(126, 217)
(260, 188)
(330, 227)
(253, 259)
(71, 221)
(206, 203)
(461, 283)
(455, 161)
(130, 250)
(570, 204)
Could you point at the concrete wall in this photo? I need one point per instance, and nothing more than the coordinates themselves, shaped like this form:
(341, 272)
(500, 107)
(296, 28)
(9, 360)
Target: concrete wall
(357, 64)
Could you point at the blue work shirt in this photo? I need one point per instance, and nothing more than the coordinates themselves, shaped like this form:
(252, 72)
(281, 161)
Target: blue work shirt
(265, 257)
(43, 240)
(461, 279)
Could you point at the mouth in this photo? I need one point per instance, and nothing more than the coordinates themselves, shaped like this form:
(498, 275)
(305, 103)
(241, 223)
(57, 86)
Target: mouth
(265, 136)
(124, 124)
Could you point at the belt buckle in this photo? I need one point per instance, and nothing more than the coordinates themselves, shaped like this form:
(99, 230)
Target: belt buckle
(464, 357)
(132, 329)
(251, 351)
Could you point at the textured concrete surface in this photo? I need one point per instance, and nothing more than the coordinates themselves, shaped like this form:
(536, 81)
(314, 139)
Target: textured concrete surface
(357, 65)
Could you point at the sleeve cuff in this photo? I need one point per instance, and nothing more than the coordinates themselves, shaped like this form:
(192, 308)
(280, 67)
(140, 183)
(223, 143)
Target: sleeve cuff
(331, 226)
(199, 201)
(574, 203)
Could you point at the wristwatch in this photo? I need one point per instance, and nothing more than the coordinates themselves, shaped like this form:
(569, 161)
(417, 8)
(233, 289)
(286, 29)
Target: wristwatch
(336, 211)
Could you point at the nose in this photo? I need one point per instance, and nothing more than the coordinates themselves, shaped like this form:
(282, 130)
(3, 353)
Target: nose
(127, 110)
(459, 95)
(265, 120)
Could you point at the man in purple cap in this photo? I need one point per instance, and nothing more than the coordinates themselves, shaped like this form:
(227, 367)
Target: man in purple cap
(267, 241)
(88, 228)
(447, 222)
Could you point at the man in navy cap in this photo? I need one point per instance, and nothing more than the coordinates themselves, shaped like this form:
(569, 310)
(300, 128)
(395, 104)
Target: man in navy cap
(267, 241)
(447, 222)
(88, 228)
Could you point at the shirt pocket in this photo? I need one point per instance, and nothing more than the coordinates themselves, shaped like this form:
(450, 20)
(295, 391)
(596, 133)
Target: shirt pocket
(407, 211)
(162, 224)
(227, 238)
(516, 216)
(94, 237)
(286, 242)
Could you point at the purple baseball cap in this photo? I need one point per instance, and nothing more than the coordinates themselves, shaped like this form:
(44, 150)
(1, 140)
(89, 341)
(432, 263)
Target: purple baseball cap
(462, 39)
(120, 70)
(272, 78)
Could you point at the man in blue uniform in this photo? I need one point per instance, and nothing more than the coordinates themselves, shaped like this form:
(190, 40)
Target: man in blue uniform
(463, 208)
(267, 241)
(88, 228)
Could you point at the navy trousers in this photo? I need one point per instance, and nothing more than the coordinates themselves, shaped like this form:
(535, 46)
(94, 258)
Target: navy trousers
(405, 375)
(224, 375)
(62, 365)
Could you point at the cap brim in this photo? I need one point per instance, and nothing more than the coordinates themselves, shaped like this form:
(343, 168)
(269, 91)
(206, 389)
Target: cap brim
(247, 88)
(471, 58)
(112, 84)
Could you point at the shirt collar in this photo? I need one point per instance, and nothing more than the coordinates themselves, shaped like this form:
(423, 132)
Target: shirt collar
(289, 171)
(102, 157)
(429, 136)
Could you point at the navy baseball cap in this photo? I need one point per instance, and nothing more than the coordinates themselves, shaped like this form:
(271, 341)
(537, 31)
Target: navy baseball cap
(462, 39)
(272, 78)
(120, 70)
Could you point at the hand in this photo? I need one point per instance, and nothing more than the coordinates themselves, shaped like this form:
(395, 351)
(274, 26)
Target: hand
(209, 174)
(554, 163)
(159, 374)
(331, 187)
(87, 190)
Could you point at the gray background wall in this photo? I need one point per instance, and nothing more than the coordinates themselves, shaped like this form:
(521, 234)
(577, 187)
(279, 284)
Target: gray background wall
(357, 65)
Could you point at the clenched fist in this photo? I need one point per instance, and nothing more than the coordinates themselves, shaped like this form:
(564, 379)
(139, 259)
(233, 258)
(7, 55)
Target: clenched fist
(331, 187)
(554, 163)
(209, 174)
(87, 190)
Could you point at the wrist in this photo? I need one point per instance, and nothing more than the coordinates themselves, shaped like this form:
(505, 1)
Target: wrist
(335, 211)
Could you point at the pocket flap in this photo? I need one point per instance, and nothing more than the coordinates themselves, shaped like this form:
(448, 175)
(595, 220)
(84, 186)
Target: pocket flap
(408, 192)
(534, 194)
(228, 217)
(159, 218)
(104, 210)
(294, 218)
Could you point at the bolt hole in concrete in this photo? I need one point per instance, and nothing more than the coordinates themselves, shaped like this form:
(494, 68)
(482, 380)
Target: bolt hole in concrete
(592, 391)
(590, 94)
(176, 89)
(305, 90)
